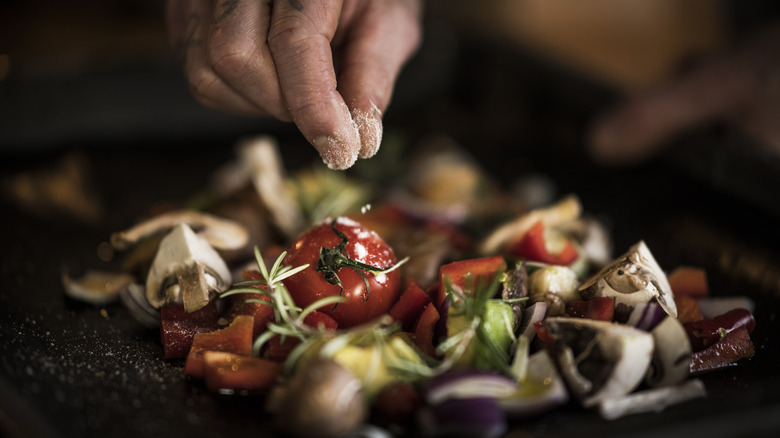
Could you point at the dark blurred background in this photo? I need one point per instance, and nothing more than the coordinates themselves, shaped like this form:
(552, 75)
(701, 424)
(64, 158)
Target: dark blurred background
(511, 76)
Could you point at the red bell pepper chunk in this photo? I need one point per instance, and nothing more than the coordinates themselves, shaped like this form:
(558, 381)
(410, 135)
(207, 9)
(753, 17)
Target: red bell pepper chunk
(321, 320)
(535, 246)
(279, 348)
(542, 334)
(690, 281)
(725, 352)
(424, 330)
(237, 373)
(409, 306)
(262, 313)
(178, 328)
(707, 332)
(469, 274)
(601, 309)
(687, 309)
(235, 338)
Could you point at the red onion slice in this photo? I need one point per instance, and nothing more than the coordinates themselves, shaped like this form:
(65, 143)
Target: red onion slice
(468, 384)
(473, 417)
(646, 316)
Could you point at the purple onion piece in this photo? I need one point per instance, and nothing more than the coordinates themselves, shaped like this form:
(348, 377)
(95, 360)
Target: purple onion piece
(646, 316)
(467, 384)
(474, 417)
(532, 314)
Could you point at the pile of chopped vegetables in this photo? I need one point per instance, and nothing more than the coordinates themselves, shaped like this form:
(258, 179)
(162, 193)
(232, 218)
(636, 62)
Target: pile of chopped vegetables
(404, 316)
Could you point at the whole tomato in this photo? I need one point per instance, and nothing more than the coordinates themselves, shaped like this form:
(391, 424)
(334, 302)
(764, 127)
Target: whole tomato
(358, 244)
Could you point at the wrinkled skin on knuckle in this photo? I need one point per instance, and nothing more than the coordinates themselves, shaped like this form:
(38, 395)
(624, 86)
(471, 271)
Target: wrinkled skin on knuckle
(234, 59)
(203, 84)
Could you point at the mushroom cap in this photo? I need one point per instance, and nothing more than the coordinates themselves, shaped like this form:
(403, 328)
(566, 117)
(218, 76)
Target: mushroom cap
(222, 234)
(323, 399)
(181, 256)
(599, 360)
(633, 278)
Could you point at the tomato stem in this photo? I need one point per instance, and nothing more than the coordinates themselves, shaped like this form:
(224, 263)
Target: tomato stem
(333, 259)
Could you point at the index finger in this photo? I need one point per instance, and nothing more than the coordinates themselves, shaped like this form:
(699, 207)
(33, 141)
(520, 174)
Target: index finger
(299, 39)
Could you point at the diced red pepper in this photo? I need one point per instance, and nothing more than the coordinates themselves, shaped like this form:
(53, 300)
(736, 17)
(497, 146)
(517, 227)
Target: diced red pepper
(602, 309)
(262, 313)
(279, 348)
(424, 330)
(469, 274)
(409, 306)
(542, 334)
(534, 245)
(178, 328)
(237, 373)
(706, 332)
(725, 352)
(235, 338)
(690, 281)
(321, 320)
(687, 309)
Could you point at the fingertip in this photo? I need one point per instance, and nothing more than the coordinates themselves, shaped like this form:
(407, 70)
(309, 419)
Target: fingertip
(336, 153)
(370, 128)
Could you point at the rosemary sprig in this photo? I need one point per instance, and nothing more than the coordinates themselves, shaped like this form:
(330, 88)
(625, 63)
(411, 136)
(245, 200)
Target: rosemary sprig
(288, 317)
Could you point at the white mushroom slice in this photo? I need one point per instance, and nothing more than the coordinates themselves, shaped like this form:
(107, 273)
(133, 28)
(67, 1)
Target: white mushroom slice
(651, 400)
(186, 269)
(567, 209)
(96, 287)
(599, 360)
(261, 156)
(672, 355)
(220, 233)
(633, 278)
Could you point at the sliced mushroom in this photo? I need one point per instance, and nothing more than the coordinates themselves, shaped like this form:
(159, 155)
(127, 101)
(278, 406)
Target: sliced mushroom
(187, 270)
(220, 233)
(633, 278)
(672, 355)
(96, 287)
(261, 156)
(516, 287)
(323, 399)
(599, 360)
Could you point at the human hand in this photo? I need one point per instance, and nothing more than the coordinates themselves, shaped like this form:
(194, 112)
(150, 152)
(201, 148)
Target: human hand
(276, 58)
(740, 88)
